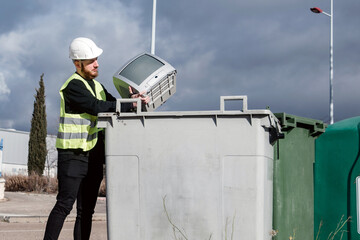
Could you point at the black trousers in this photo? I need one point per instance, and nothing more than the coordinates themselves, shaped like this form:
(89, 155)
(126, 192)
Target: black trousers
(78, 180)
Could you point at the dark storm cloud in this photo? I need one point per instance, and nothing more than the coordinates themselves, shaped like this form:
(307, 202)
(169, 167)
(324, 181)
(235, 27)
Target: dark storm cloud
(14, 13)
(275, 52)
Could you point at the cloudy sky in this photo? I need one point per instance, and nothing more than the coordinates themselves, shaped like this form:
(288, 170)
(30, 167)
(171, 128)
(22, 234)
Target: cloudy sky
(275, 52)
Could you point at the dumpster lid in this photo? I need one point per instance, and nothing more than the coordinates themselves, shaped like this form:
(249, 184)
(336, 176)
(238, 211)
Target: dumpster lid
(270, 122)
(288, 122)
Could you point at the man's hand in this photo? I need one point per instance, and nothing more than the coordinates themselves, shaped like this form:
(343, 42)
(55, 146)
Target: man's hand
(144, 98)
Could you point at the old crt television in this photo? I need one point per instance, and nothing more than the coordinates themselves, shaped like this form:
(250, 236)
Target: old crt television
(149, 73)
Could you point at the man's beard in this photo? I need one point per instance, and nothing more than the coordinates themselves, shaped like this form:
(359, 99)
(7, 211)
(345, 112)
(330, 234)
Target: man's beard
(88, 74)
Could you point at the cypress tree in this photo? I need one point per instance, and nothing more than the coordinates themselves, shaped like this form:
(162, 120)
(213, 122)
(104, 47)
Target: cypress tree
(37, 141)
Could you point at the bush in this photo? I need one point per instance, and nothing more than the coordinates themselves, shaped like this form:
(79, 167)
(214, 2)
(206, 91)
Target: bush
(15, 183)
(38, 184)
(102, 190)
(32, 183)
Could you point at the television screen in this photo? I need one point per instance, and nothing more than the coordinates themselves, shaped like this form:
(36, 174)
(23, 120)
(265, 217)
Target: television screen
(149, 73)
(141, 68)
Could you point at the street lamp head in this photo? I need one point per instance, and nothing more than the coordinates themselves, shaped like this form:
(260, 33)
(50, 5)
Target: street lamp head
(316, 10)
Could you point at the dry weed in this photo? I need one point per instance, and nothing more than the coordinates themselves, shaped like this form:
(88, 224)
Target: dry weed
(38, 184)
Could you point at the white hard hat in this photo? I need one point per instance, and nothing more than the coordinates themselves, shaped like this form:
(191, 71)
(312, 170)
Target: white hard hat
(83, 48)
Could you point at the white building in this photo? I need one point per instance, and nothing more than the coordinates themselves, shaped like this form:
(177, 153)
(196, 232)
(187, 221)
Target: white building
(14, 153)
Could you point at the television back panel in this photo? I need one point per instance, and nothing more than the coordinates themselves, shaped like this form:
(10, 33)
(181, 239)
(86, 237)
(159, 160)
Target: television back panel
(161, 92)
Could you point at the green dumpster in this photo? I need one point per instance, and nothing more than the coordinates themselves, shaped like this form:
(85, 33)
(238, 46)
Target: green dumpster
(337, 169)
(294, 156)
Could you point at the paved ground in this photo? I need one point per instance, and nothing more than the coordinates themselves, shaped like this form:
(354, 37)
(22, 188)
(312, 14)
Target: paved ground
(35, 231)
(24, 215)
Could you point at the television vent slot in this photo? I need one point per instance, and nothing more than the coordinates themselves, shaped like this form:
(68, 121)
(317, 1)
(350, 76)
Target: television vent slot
(165, 85)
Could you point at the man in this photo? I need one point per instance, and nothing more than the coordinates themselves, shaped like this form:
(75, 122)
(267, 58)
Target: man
(80, 143)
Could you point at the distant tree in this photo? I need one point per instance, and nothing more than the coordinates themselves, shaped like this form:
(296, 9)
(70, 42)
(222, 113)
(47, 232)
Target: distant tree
(37, 141)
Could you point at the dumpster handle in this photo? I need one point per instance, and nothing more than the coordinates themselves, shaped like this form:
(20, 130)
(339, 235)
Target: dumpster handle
(225, 98)
(128, 100)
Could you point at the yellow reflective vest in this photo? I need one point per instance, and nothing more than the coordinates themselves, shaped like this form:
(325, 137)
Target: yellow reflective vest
(78, 131)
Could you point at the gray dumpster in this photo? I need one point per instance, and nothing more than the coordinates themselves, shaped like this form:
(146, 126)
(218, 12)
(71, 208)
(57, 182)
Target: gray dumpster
(203, 175)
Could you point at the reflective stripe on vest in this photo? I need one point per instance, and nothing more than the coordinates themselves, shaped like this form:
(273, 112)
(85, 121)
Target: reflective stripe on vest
(78, 131)
(83, 135)
(77, 121)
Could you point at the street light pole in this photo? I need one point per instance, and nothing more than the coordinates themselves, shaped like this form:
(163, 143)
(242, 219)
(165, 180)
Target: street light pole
(331, 75)
(153, 28)
(331, 64)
